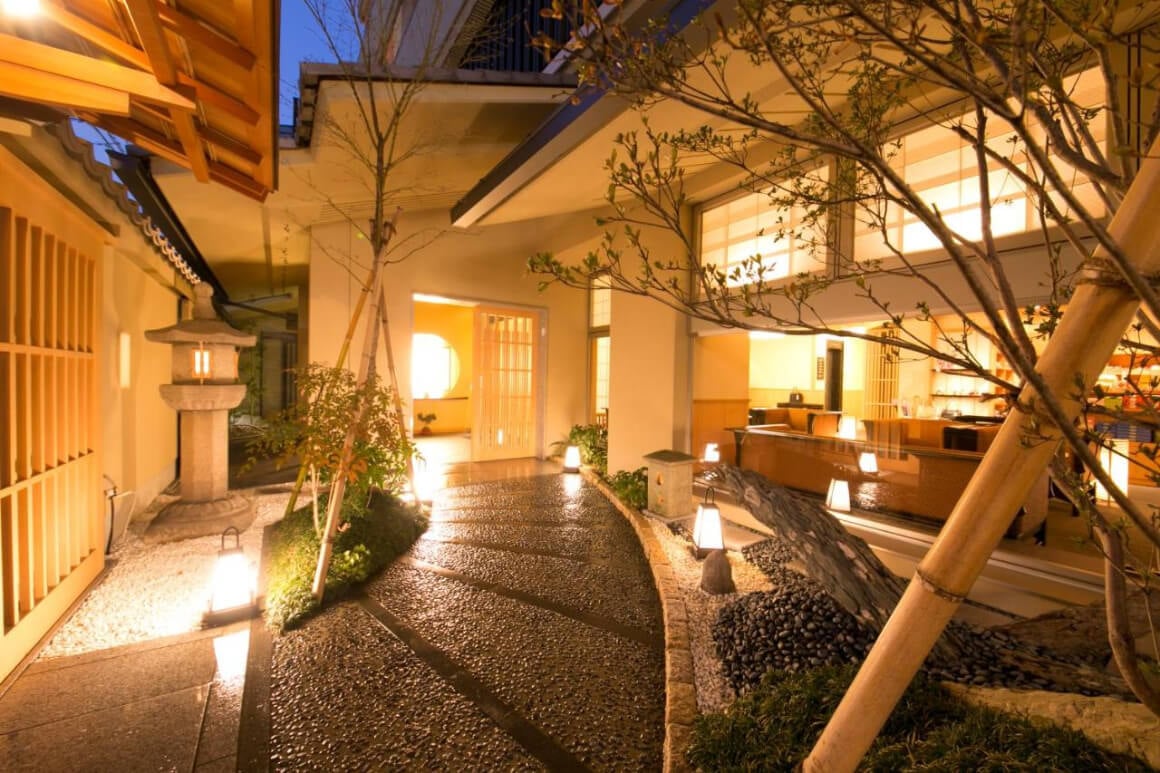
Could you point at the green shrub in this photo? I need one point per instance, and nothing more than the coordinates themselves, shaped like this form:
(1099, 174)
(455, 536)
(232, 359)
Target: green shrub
(374, 536)
(631, 487)
(774, 726)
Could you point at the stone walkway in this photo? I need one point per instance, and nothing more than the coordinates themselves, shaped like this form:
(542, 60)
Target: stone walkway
(522, 632)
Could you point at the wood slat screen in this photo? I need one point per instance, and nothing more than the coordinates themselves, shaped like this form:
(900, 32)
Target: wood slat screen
(506, 357)
(51, 521)
(882, 362)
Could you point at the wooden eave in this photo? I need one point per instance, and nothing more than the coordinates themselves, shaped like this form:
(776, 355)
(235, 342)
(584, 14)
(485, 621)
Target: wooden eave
(193, 81)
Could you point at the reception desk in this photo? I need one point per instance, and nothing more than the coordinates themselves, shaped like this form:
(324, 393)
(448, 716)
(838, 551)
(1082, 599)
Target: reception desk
(922, 482)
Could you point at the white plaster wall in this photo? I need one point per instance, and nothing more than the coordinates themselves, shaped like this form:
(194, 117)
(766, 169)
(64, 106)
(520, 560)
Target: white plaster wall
(483, 264)
(139, 430)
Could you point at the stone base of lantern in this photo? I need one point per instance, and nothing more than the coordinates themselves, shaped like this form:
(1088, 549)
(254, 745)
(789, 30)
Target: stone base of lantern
(184, 520)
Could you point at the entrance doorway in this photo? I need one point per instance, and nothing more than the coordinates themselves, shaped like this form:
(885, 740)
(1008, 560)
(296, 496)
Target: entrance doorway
(834, 365)
(507, 348)
(476, 376)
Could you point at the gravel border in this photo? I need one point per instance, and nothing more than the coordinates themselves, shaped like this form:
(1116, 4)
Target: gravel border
(150, 591)
(693, 677)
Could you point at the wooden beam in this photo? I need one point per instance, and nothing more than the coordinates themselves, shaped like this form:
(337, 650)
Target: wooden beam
(214, 97)
(148, 24)
(262, 18)
(198, 32)
(231, 145)
(98, 36)
(81, 68)
(39, 86)
(144, 17)
(158, 143)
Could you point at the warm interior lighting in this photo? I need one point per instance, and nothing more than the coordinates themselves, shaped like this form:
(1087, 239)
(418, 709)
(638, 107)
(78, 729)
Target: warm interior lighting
(848, 427)
(20, 8)
(434, 366)
(232, 594)
(124, 359)
(1115, 461)
(868, 462)
(707, 526)
(838, 497)
(572, 459)
(712, 453)
(202, 364)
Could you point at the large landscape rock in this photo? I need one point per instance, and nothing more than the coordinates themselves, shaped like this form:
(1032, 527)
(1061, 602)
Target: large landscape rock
(1116, 725)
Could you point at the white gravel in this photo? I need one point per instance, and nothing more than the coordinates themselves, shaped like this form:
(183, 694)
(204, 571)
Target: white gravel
(151, 591)
(713, 693)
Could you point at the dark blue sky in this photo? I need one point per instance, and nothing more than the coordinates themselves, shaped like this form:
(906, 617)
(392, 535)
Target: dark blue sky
(300, 41)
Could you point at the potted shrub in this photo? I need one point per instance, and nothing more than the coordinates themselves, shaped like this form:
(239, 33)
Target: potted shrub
(425, 419)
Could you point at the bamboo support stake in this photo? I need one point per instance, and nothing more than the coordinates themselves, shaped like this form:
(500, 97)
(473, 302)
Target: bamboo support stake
(400, 417)
(351, 327)
(366, 366)
(1099, 312)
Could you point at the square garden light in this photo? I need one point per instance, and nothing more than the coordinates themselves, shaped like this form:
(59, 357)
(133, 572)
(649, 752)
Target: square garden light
(707, 525)
(232, 592)
(572, 459)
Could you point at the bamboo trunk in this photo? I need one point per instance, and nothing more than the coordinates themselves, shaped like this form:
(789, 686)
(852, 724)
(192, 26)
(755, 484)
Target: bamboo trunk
(351, 327)
(366, 367)
(1096, 317)
(399, 415)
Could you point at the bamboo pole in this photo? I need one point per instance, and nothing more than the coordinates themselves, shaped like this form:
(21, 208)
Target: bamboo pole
(366, 366)
(384, 319)
(351, 327)
(1099, 312)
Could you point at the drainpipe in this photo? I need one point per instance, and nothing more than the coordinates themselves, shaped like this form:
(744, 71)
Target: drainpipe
(1099, 312)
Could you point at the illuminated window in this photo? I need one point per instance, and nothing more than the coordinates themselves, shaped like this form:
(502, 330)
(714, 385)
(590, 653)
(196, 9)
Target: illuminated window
(944, 171)
(782, 238)
(434, 366)
(601, 353)
(600, 307)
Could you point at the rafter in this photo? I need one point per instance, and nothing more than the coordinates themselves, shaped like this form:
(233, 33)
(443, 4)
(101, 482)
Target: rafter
(163, 146)
(39, 86)
(145, 19)
(197, 31)
(98, 36)
(214, 97)
(54, 61)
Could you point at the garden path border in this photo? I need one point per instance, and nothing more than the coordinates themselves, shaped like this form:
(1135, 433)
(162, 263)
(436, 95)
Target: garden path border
(680, 687)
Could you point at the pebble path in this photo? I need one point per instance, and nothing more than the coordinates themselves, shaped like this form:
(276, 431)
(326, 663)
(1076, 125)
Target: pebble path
(522, 632)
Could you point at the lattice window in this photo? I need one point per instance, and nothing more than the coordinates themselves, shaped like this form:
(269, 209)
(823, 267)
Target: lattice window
(50, 508)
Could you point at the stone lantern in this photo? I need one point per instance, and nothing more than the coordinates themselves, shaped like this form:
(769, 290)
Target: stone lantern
(205, 387)
(670, 483)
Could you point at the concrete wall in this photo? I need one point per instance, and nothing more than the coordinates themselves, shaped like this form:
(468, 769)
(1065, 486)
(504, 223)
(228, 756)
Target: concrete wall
(486, 265)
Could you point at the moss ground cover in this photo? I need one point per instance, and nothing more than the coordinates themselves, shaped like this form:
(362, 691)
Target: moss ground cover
(774, 726)
(371, 540)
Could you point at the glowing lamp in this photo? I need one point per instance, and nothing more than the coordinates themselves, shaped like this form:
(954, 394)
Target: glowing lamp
(20, 8)
(202, 362)
(712, 453)
(1114, 460)
(838, 497)
(707, 526)
(572, 459)
(232, 594)
(848, 427)
(868, 462)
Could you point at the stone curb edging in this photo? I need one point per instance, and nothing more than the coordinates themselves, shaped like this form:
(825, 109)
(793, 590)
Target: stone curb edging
(680, 687)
